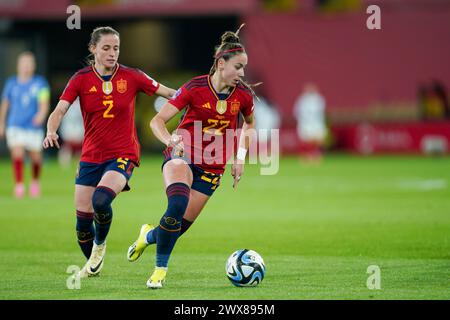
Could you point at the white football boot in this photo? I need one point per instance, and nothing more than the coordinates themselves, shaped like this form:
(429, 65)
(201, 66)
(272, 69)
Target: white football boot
(95, 263)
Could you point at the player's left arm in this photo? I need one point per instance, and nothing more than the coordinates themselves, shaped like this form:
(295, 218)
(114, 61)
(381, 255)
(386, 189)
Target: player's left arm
(43, 106)
(237, 169)
(165, 92)
(148, 85)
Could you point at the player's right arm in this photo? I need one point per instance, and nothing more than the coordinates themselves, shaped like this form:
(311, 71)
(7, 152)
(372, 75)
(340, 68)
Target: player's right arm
(70, 93)
(53, 123)
(179, 101)
(159, 129)
(5, 106)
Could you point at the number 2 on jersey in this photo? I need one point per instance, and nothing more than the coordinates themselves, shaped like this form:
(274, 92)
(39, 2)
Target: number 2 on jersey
(109, 105)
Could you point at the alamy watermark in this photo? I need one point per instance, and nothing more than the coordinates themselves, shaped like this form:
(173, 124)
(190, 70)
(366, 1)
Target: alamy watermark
(374, 280)
(74, 20)
(374, 20)
(215, 145)
(73, 282)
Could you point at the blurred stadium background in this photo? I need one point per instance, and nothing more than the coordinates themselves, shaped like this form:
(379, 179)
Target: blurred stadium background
(371, 79)
(373, 83)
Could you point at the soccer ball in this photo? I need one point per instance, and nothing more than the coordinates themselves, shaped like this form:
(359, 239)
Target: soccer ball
(245, 268)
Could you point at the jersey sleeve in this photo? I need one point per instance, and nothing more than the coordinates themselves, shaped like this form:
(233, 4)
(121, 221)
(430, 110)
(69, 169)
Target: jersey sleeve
(72, 90)
(249, 105)
(6, 94)
(146, 83)
(181, 98)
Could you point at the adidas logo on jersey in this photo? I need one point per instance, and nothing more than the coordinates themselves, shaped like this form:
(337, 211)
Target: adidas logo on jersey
(207, 105)
(93, 89)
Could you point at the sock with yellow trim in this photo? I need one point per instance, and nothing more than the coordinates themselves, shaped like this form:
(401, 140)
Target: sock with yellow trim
(153, 234)
(170, 223)
(85, 232)
(101, 202)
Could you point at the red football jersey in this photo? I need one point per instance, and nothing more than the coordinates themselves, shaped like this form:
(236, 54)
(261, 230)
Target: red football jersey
(108, 111)
(209, 124)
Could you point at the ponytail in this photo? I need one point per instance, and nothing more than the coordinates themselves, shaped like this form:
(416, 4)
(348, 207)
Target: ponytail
(230, 46)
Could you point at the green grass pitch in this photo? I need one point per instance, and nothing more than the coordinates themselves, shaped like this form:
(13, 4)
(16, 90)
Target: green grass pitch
(318, 229)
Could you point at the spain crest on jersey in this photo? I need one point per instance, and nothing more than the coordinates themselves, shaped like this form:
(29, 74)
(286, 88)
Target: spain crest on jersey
(235, 107)
(122, 86)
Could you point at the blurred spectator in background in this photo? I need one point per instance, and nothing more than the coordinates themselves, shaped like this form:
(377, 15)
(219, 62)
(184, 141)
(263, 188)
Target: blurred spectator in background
(309, 110)
(72, 134)
(267, 118)
(422, 93)
(24, 108)
(441, 93)
(433, 101)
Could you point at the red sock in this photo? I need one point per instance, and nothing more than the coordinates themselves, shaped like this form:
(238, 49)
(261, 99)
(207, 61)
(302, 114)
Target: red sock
(18, 170)
(36, 170)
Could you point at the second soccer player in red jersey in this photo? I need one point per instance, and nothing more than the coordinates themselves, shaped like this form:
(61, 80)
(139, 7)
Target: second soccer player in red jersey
(197, 153)
(107, 93)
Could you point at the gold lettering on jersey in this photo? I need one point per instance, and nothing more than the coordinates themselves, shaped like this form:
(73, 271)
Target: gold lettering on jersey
(235, 107)
(107, 87)
(122, 86)
(221, 106)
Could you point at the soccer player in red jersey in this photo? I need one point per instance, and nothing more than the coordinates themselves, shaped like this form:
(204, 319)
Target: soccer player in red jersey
(107, 92)
(212, 104)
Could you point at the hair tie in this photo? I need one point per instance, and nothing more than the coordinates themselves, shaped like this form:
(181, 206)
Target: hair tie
(220, 54)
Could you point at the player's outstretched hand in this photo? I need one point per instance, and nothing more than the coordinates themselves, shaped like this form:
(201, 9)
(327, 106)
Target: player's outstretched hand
(51, 140)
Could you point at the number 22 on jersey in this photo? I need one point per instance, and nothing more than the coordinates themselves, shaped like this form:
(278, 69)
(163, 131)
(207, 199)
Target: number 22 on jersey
(216, 127)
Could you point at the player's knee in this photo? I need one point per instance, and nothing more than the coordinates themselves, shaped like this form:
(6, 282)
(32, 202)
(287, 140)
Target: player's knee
(101, 202)
(176, 164)
(176, 170)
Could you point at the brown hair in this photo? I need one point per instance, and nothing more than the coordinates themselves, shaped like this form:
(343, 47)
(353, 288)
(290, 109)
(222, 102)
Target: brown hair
(26, 53)
(229, 47)
(96, 34)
